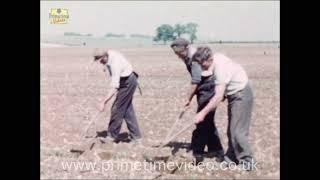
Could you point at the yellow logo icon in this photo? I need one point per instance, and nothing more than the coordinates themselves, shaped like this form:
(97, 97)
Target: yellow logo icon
(58, 16)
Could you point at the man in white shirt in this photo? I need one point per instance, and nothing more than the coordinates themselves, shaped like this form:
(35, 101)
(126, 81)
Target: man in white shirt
(231, 81)
(206, 133)
(123, 83)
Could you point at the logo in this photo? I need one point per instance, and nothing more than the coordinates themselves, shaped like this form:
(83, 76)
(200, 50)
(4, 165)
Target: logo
(58, 16)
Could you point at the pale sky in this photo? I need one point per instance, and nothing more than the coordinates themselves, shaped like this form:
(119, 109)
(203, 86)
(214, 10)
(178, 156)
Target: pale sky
(217, 20)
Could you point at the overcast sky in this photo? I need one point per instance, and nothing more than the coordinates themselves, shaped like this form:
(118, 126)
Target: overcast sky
(225, 20)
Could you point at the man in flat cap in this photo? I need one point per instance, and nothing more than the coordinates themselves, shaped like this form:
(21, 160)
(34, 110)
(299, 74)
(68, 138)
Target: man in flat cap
(123, 84)
(202, 86)
(231, 81)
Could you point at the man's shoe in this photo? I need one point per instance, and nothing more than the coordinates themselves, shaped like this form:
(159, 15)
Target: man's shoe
(136, 141)
(248, 164)
(228, 162)
(107, 139)
(198, 158)
(219, 155)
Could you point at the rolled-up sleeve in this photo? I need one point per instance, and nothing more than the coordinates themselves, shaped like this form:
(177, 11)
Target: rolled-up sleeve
(195, 73)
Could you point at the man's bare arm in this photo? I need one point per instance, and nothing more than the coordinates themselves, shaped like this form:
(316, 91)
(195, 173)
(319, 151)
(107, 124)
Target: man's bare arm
(213, 103)
(111, 93)
(191, 93)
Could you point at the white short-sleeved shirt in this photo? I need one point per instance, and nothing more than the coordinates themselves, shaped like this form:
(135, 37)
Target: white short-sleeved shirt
(118, 66)
(229, 73)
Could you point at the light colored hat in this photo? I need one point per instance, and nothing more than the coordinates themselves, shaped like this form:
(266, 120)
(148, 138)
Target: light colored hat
(98, 53)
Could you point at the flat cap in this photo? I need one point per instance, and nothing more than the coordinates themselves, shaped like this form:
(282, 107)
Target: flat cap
(98, 53)
(179, 44)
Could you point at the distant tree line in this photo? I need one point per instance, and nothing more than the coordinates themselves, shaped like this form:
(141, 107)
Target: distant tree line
(230, 42)
(166, 32)
(75, 34)
(115, 35)
(140, 36)
(111, 35)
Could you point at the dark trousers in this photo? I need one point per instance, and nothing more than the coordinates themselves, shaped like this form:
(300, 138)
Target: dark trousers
(122, 108)
(206, 132)
(239, 117)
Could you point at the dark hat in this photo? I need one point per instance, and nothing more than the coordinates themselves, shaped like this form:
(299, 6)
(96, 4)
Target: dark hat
(179, 44)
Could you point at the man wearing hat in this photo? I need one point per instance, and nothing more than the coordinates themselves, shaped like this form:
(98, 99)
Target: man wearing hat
(231, 81)
(123, 84)
(202, 86)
